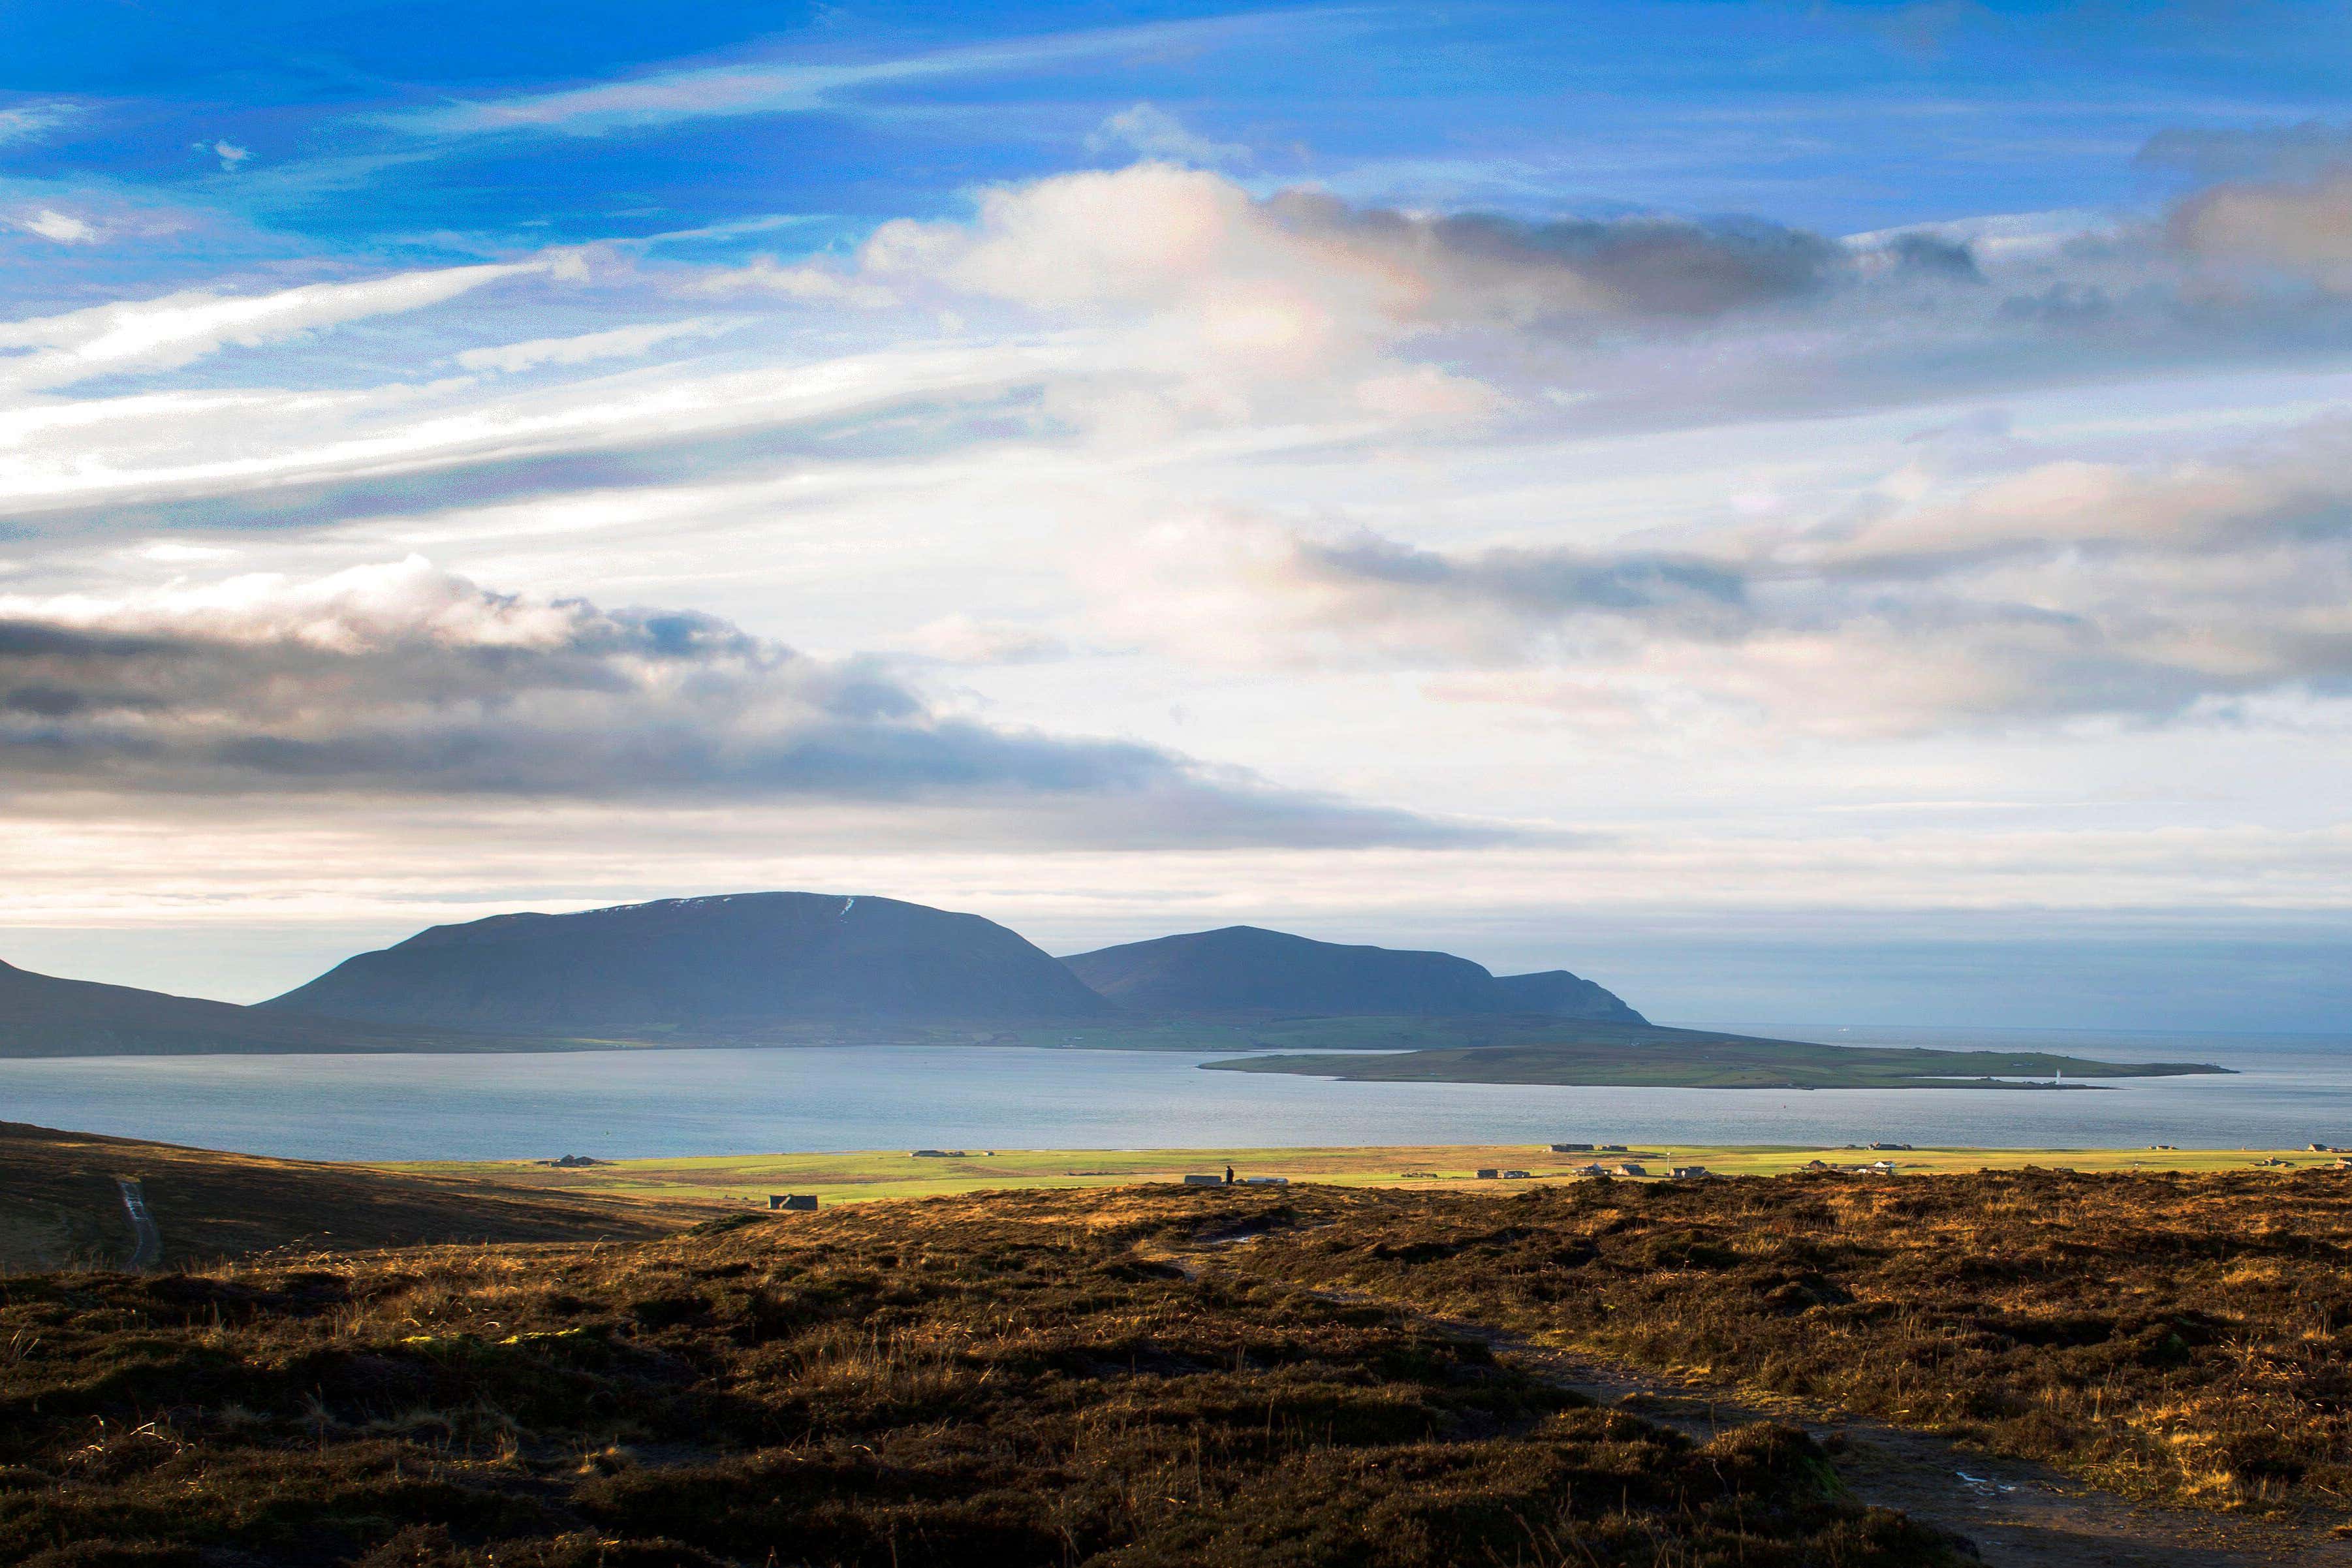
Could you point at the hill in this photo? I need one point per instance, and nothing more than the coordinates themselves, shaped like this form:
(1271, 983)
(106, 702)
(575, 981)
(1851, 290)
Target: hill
(684, 964)
(64, 1204)
(1244, 969)
(1556, 994)
(42, 1015)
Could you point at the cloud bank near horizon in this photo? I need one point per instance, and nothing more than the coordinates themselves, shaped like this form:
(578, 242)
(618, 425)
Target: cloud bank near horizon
(405, 682)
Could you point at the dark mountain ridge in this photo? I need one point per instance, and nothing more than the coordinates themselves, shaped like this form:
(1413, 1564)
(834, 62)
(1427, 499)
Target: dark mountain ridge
(758, 967)
(43, 1015)
(1246, 969)
(686, 963)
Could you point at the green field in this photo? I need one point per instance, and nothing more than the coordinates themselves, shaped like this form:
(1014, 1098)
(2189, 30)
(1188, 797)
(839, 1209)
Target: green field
(894, 1173)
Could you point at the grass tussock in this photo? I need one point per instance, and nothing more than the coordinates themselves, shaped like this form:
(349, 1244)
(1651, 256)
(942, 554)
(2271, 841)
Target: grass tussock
(1023, 1379)
(2184, 1337)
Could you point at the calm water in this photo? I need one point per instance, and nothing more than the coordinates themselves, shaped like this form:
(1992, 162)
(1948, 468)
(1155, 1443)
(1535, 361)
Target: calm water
(2291, 1090)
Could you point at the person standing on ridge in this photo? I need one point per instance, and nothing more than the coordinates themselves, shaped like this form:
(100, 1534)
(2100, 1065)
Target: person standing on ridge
(1229, 1175)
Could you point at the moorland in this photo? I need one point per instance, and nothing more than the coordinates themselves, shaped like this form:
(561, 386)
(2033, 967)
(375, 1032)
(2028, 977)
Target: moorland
(1311, 1374)
(61, 1203)
(2179, 1336)
(971, 1382)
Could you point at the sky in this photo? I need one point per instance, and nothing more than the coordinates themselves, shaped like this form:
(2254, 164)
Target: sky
(1811, 513)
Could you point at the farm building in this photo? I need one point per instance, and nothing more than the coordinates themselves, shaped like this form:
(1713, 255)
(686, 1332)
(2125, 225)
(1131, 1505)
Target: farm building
(802, 1200)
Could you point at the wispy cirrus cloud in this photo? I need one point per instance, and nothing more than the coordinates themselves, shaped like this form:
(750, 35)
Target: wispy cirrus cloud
(31, 120)
(784, 86)
(588, 348)
(177, 330)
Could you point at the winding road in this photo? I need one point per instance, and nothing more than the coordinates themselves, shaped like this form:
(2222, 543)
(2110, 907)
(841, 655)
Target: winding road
(148, 1249)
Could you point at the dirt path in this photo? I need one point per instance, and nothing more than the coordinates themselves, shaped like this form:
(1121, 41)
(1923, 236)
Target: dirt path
(2020, 1514)
(147, 1248)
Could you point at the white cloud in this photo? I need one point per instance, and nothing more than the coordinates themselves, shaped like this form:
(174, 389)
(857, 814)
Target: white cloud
(31, 122)
(2035, 595)
(1158, 235)
(192, 447)
(1150, 132)
(179, 329)
(786, 86)
(229, 154)
(967, 639)
(175, 552)
(809, 283)
(620, 342)
(63, 227)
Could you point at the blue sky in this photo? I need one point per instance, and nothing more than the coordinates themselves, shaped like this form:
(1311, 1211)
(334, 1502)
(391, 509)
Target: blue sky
(369, 130)
(1664, 487)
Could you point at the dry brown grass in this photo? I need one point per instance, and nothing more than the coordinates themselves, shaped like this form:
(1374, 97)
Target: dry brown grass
(2187, 1337)
(63, 1206)
(1005, 1380)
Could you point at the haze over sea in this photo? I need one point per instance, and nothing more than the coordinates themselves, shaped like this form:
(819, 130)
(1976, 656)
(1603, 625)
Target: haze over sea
(2287, 1089)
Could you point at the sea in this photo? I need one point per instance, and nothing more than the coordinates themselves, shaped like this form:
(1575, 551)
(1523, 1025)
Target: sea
(2285, 1090)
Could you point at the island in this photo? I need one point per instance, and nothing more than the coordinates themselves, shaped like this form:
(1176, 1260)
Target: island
(1649, 1057)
